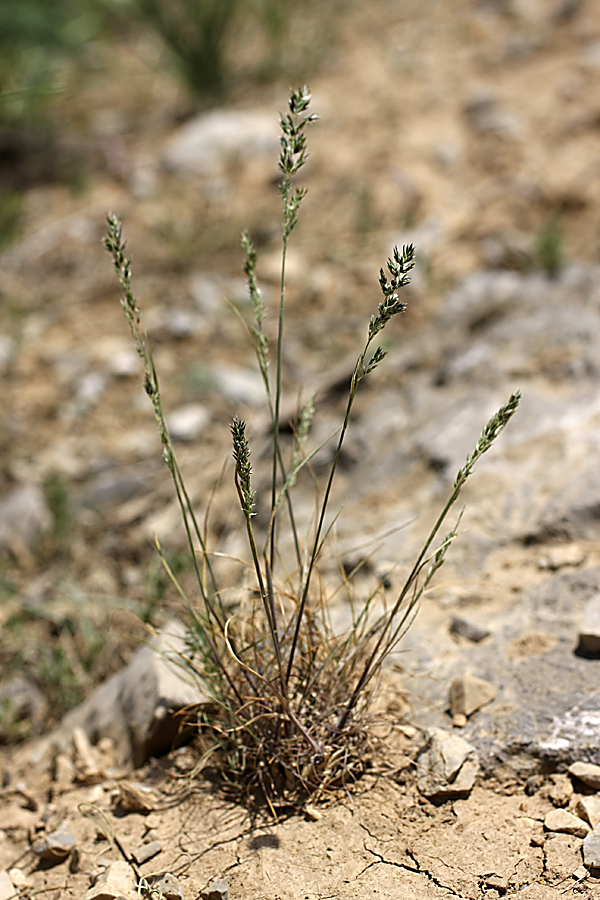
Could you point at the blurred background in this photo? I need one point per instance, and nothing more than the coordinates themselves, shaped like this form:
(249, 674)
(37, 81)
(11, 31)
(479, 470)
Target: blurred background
(471, 127)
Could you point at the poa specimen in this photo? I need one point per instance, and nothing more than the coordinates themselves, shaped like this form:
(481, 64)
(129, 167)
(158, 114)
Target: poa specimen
(290, 698)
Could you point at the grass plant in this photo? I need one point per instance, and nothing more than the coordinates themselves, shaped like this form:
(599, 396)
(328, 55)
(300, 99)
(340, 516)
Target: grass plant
(290, 699)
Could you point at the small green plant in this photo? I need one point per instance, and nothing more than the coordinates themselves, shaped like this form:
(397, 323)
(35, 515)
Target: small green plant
(549, 249)
(291, 698)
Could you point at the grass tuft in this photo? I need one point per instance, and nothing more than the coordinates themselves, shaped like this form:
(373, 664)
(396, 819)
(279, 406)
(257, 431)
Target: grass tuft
(290, 699)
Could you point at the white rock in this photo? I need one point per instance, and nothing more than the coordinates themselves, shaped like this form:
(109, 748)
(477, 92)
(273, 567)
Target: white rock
(186, 422)
(169, 887)
(208, 143)
(447, 767)
(586, 772)
(238, 384)
(588, 809)
(591, 849)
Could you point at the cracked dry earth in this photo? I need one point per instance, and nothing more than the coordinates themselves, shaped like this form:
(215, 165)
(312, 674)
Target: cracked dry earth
(383, 842)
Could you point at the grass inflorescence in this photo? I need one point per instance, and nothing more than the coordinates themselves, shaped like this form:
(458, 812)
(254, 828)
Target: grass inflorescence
(289, 698)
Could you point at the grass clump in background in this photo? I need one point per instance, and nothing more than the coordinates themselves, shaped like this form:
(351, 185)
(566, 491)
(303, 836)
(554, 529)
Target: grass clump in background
(290, 699)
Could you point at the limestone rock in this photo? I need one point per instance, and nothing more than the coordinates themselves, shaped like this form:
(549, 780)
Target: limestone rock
(208, 143)
(116, 881)
(468, 694)
(588, 809)
(186, 422)
(168, 886)
(562, 821)
(586, 772)
(447, 767)
(137, 708)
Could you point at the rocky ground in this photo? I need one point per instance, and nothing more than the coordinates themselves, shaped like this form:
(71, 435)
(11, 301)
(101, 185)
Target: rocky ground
(472, 130)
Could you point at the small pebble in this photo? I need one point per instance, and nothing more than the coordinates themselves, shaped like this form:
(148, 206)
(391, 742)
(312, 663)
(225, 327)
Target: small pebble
(468, 694)
(146, 851)
(56, 846)
(168, 886)
(135, 797)
(469, 630)
(217, 890)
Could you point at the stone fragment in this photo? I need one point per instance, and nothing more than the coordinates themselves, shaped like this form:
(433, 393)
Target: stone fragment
(589, 773)
(588, 809)
(186, 422)
(566, 823)
(242, 385)
(151, 822)
(85, 759)
(168, 886)
(146, 851)
(467, 629)
(117, 880)
(19, 879)
(447, 767)
(217, 890)
(589, 628)
(561, 556)
(561, 790)
(136, 797)
(591, 849)
(7, 888)
(468, 694)
(55, 846)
